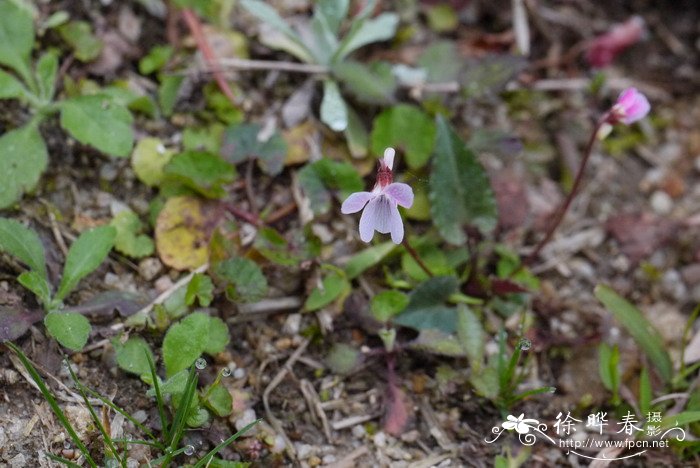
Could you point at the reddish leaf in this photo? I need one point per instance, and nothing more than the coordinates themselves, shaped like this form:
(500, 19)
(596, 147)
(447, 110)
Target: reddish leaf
(397, 412)
(15, 321)
(500, 287)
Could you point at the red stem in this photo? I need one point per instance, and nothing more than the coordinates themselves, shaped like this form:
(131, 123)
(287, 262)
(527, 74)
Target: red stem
(416, 257)
(570, 197)
(195, 27)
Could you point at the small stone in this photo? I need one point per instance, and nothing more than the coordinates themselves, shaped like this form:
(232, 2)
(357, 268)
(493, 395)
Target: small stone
(247, 417)
(379, 439)
(19, 461)
(314, 461)
(672, 285)
(239, 373)
(691, 274)
(661, 202)
(149, 268)
(163, 283)
(329, 459)
(410, 436)
(292, 324)
(303, 451)
(140, 416)
(358, 431)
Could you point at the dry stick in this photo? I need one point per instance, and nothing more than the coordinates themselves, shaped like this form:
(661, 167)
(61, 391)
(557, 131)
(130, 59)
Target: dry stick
(569, 198)
(195, 27)
(416, 257)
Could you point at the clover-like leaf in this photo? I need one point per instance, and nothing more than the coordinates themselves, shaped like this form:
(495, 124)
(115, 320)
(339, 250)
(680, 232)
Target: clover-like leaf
(242, 278)
(241, 142)
(79, 35)
(186, 340)
(132, 356)
(203, 172)
(149, 159)
(129, 241)
(333, 287)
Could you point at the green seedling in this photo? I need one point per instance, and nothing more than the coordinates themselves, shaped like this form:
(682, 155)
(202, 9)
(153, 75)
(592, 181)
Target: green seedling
(96, 120)
(84, 256)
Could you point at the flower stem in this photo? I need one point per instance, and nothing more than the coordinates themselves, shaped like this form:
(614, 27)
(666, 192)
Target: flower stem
(416, 257)
(561, 212)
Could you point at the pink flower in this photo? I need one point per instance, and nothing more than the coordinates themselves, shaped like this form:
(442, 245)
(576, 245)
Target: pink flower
(630, 107)
(381, 212)
(603, 49)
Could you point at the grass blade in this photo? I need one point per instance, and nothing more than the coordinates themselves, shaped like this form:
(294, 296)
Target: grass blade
(180, 420)
(646, 336)
(205, 460)
(52, 403)
(159, 396)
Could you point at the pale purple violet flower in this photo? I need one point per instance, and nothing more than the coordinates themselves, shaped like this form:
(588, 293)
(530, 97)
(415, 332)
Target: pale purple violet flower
(381, 212)
(630, 107)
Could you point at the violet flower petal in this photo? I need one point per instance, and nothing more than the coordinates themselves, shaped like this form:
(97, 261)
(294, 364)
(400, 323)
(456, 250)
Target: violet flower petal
(400, 193)
(355, 202)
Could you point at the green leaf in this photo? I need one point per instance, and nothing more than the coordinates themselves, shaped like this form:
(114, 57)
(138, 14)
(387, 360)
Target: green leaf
(200, 171)
(367, 31)
(680, 419)
(23, 158)
(98, 121)
(342, 358)
(186, 340)
(292, 43)
(240, 142)
(356, 134)
(408, 128)
(37, 284)
(242, 278)
(471, 336)
(148, 160)
(435, 341)
(489, 76)
(86, 254)
(16, 37)
(10, 87)
(156, 59)
(200, 288)
(441, 61)
(325, 174)
(374, 84)
(132, 356)
(274, 247)
(334, 111)
(435, 259)
(78, 34)
(333, 12)
(426, 308)
(442, 18)
(608, 359)
(460, 191)
(646, 336)
(129, 241)
(368, 258)
(168, 92)
(70, 329)
(334, 285)
(218, 399)
(645, 391)
(386, 304)
(324, 41)
(46, 70)
(24, 244)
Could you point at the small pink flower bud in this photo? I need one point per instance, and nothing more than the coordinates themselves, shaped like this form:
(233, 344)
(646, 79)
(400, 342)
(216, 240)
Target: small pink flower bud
(630, 107)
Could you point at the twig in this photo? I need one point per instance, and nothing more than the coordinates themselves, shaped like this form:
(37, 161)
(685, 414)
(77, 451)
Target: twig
(242, 214)
(569, 198)
(195, 27)
(348, 461)
(416, 257)
(293, 67)
(282, 212)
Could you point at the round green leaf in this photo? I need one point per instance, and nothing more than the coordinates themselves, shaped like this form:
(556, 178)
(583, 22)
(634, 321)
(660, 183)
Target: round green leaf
(70, 329)
(23, 158)
(386, 304)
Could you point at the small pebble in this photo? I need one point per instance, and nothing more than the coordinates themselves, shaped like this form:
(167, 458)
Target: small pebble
(358, 431)
(314, 461)
(247, 417)
(379, 439)
(661, 202)
(163, 283)
(303, 451)
(149, 268)
(328, 459)
(239, 373)
(140, 416)
(292, 324)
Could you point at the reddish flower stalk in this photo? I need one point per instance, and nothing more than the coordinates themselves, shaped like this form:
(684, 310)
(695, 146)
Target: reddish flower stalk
(630, 107)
